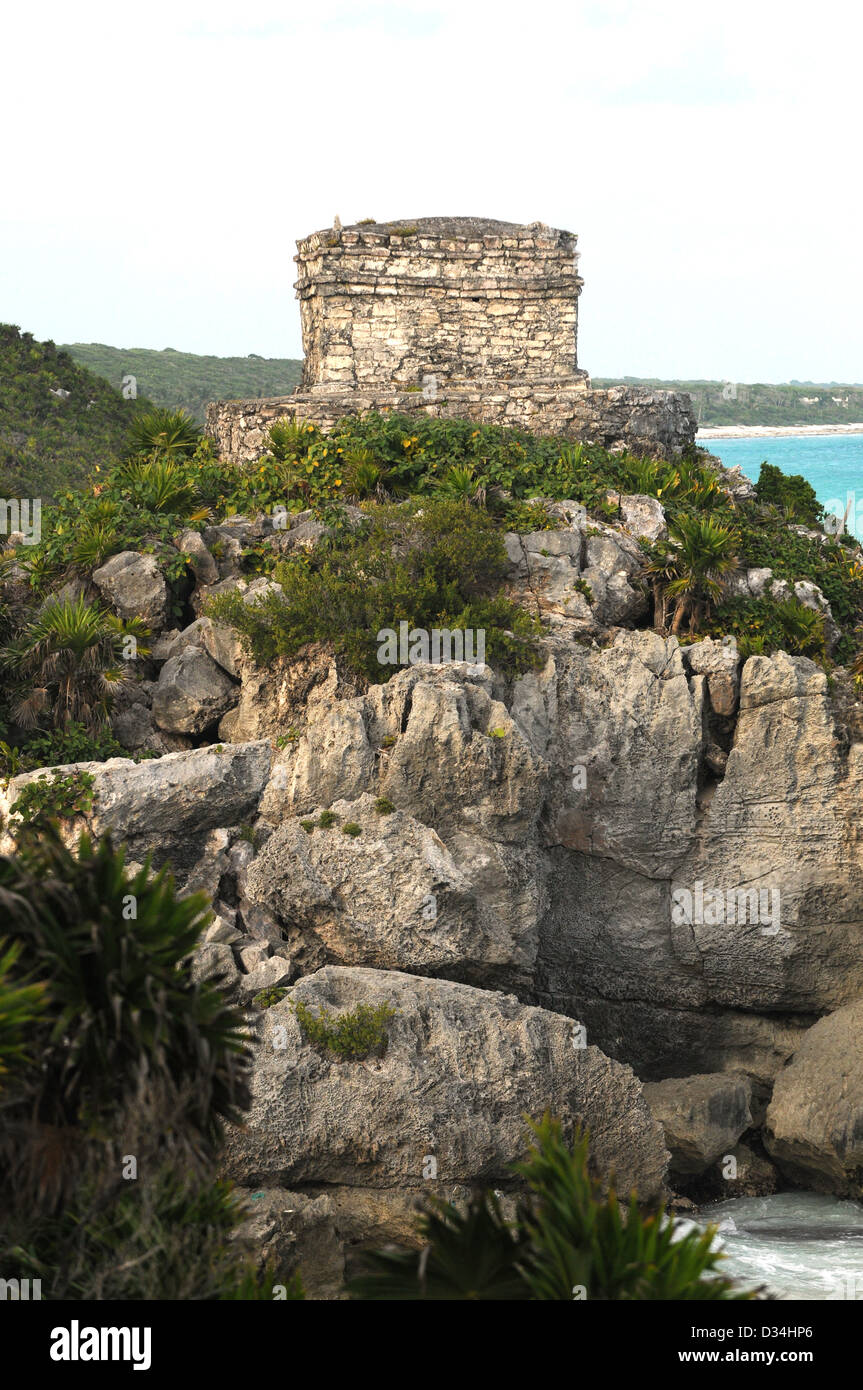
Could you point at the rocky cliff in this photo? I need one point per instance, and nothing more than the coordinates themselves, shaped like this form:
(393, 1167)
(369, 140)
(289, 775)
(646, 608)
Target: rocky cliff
(636, 863)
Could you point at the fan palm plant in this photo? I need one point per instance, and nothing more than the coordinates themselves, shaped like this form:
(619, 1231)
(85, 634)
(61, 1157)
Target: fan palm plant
(160, 484)
(705, 558)
(165, 434)
(67, 663)
(460, 484)
(288, 440)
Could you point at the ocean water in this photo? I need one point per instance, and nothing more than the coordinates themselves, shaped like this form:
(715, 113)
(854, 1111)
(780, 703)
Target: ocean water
(794, 1244)
(832, 463)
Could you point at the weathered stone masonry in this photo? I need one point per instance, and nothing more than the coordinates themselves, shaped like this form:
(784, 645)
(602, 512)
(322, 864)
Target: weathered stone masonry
(457, 318)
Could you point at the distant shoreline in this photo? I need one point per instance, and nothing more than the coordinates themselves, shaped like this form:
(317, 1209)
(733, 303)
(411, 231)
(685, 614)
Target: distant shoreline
(773, 431)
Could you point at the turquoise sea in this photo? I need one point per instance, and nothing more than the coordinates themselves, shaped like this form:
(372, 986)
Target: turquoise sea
(832, 463)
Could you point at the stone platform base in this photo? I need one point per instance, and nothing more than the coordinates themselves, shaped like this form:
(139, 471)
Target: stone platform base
(655, 423)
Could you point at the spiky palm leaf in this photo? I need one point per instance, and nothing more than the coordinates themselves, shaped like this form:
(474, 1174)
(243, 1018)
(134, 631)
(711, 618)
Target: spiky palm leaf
(705, 557)
(569, 1239)
(166, 434)
(66, 661)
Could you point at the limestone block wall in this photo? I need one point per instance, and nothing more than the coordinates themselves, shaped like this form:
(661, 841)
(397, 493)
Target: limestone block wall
(388, 304)
(653, 423)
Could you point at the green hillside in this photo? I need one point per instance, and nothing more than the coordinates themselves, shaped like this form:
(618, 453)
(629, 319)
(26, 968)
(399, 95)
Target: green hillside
(52, 442)
(184, 380)
(748, 403)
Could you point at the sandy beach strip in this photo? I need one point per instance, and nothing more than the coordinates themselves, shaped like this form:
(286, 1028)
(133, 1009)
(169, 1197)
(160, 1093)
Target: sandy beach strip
(772, 431)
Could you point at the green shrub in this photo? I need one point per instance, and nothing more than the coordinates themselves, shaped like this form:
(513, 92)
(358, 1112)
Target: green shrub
(352, 1035)
(69, 744)
(439, 564)
(569, 1240)
(351, 828)
(384, 806)
(308, 826)
(266, 998)
(790, 492)
(55, 796)
(327, 819)
(768, 625)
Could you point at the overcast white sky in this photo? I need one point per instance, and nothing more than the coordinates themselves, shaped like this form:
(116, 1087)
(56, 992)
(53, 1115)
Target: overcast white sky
(160, 161)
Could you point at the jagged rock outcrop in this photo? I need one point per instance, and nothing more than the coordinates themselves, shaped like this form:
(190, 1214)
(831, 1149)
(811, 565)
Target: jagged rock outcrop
(135, 587)
(814, 1127)
(461, 1068)
(168, 806)
(579, 578)
(390, 896)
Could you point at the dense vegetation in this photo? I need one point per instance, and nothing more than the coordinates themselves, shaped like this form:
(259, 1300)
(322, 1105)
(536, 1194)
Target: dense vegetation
(118, 1073)
(437, 564)
(49, 442)
(422, 545)
(569, 1241)
(752, 403)
(187, 381)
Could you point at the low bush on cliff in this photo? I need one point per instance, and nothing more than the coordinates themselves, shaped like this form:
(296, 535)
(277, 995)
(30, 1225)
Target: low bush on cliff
(118, 1071)
(438, 564)
(767, 625)
(790, 492)
(568, 1241)
(353, 1035)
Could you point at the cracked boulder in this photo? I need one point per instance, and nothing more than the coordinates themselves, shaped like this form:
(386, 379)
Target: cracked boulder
(388, 895)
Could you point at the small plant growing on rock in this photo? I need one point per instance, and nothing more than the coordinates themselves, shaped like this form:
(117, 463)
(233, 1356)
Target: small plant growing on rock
(327, 819)
(384, 806)
(60, 797)
(351, 828)
(352, 1035)
(497, 733)
(389, 741)
(266, 998)
(308, 826)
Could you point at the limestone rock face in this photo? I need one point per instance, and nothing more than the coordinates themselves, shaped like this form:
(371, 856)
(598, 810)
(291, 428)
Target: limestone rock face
(461, 1068)
(135, 587)
(643, 516)
(577, 582)
(391, 897)
(719, 662)
(639, 822)
(169, 805)
(702, 1117)
(192, 693)
(814, 1128)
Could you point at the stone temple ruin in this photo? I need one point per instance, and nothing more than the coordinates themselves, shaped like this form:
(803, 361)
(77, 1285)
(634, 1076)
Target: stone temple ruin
(458, 317)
